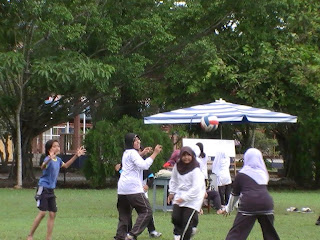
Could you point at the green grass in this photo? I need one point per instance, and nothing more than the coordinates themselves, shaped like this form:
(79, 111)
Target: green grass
(92, 214)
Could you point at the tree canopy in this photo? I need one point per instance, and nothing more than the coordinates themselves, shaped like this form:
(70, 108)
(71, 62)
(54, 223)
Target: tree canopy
(140, 57)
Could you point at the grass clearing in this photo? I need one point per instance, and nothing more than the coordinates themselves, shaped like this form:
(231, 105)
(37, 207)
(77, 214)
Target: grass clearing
(92, 215)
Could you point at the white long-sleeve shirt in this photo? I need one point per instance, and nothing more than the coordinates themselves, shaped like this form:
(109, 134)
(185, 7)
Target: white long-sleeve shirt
(131, 178)
(190, 187)
(221, 167)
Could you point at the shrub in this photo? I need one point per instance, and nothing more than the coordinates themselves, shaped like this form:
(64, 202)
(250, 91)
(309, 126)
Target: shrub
(105, 145)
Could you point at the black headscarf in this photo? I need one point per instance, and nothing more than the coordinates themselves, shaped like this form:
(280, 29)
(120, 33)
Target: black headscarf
(185, 168)
(129, 139)
(200, 145)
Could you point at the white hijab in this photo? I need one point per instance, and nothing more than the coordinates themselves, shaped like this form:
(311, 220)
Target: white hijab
(255, 167)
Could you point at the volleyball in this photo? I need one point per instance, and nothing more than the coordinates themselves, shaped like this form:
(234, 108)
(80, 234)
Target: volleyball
(209, 123)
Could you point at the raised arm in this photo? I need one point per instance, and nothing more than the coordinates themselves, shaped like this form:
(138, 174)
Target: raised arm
(80, 151)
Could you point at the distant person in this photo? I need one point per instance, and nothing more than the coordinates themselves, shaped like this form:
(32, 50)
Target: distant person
(255, 202)
(203, 160)
(187, 190)
(214, 200)
(172, 160)
(221, 168)
(130, 189)
(148, 178)
(45, 197)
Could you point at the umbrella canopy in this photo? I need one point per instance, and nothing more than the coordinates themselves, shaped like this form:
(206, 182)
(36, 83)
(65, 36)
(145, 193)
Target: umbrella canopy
(224, 111)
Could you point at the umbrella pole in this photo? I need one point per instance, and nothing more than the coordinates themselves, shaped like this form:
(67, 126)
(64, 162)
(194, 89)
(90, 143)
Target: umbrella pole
(253, 137)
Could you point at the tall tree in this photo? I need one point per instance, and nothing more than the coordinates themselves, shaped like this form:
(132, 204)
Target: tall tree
(39, 58)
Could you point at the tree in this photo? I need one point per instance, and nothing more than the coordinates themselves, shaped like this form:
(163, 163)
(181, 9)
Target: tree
(264, 54)
(38, 60)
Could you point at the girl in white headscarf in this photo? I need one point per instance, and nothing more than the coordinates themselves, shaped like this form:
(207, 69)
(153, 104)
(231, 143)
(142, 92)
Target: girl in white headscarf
(221, 168)
(255, 202)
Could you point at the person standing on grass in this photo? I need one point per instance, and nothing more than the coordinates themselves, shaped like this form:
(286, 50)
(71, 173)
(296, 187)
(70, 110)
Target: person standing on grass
(221, 169)
(130, 189)
(148, 178)
(187, 191)
(203, 161)
(255, 202)
(46, 200)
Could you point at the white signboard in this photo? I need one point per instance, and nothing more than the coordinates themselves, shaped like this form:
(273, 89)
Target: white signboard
(212, 146)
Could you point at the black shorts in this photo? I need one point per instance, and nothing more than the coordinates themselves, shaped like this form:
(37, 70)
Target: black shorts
(46, 200)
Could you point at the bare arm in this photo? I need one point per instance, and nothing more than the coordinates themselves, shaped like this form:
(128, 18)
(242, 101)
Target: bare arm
(81, 151)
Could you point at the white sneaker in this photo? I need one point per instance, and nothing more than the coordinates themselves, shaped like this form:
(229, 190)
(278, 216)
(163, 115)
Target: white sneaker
(194, 231)
(155, 234)
(177, 237)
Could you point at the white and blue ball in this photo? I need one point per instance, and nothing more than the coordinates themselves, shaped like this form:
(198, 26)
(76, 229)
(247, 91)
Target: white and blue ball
(209, 123)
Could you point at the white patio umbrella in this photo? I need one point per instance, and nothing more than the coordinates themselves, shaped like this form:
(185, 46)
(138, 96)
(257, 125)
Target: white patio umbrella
(224, 111)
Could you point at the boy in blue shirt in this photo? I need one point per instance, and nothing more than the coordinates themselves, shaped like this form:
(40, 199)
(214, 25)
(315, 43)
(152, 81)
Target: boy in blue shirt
(46, 200)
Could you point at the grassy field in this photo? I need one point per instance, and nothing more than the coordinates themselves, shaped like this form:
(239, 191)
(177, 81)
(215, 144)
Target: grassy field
(92, 214)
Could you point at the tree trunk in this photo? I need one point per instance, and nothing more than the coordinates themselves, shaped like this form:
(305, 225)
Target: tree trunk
(27, 166)
(18, 147)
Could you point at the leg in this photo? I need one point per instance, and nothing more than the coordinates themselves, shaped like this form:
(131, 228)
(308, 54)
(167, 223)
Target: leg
(222, 192)
(141, 204)
(195, 220)
(151, 226)
(241, 227)
(227, 193)
(215, 199)
(50, 223)
(188, 215)
(36, 223)
(176, 219)
(125, 214)
(52, 208)
(268, 230)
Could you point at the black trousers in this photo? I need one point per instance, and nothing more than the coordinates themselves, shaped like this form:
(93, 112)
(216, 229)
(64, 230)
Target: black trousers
(243, 224)
(183, 220)
(125, 205)
(151, 226)
(224, 192)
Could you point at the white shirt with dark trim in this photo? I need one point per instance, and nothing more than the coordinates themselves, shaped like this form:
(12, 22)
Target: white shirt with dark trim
(131, 178)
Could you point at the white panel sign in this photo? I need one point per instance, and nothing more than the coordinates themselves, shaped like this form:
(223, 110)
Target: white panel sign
(212, 146)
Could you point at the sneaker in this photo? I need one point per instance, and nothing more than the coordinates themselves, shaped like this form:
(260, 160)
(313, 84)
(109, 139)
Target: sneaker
(194, 231)
(177, 237)
(155, 234)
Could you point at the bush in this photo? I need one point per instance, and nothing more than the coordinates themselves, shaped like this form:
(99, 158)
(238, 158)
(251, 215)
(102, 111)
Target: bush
(105, 145)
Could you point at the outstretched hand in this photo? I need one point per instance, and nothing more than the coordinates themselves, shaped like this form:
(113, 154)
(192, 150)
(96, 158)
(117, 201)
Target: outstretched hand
(158, 149)
(81, 151)
(146, 151)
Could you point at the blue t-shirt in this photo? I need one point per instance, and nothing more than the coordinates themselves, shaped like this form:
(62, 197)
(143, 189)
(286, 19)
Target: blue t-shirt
(50, 173)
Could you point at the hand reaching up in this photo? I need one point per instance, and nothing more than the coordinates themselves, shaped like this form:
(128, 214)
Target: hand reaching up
(81, 151)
